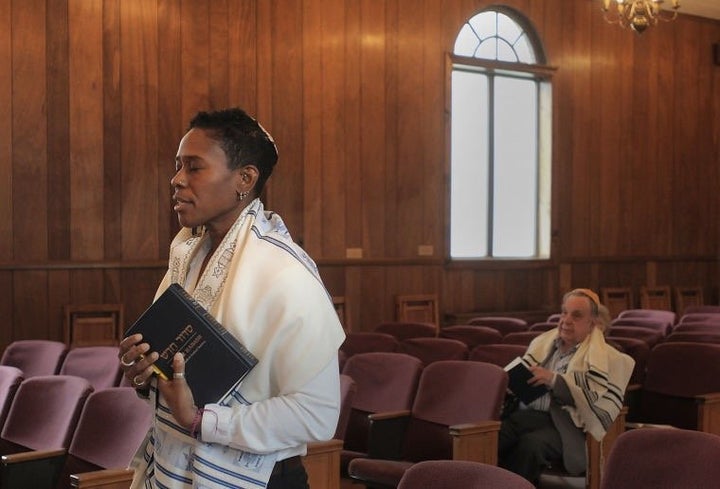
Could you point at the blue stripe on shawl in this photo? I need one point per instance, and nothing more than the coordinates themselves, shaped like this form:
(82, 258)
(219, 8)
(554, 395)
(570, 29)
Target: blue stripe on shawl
(184, 480)
(224, 471)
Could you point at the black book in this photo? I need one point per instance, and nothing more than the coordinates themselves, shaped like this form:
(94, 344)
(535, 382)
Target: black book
(215, 361)
(518, 376)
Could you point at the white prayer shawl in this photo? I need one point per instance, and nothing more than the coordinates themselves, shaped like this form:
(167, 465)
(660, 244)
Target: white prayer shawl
(265, 290)
(597, 376)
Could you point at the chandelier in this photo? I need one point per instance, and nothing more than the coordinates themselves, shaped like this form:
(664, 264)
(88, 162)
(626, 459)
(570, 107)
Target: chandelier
(638, 14)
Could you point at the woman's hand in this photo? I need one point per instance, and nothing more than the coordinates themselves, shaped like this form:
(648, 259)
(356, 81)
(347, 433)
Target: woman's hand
(135, 361)
(541, 376)
(178, 395)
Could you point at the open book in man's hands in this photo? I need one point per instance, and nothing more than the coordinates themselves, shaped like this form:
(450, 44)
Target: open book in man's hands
(518, 376)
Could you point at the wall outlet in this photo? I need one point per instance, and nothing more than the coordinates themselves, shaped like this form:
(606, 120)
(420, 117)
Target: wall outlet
(353, 253)
(426, 250)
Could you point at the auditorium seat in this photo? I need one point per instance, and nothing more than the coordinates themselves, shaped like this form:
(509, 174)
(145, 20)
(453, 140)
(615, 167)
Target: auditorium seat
(656, 297)
(650, 336)
(705, 308)
(617, 299)
(687, 296)
(98, 364)
(44, 413)
(348, 388)
(35, 357)
(363, 342)
(663, 459)
(503, 324)
(10, 379)
(663, 325)
(521, 337)
(498, 354)
(543, 326)
(699, 317)
(451, 418)
(430, 350)
(695, 336)
(638, 350)
(554, 317)
(471, 335)
(403, 330)
(113, 424)
(668, 316)
(460, 474)
(681, 387)
(385, 382)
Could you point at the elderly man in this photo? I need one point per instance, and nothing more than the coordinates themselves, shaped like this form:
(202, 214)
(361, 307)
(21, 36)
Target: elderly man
(586, 380)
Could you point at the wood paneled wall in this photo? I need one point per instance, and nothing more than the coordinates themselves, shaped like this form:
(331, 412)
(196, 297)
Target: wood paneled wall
(97, 93)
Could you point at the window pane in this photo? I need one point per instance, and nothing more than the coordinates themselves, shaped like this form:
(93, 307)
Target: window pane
(484, 23)
(488, 49)
(469, 176)
(515, 158)
(466, 42)
(524, 50)
(506, 52)
(508, 28)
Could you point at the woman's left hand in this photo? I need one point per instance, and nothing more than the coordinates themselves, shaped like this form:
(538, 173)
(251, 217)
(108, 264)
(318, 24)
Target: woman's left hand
(178, 395)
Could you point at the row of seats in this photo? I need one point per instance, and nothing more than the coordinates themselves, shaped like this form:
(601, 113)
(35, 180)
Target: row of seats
(58, 425)
(402, 412)
(639, 459)
(98, 364)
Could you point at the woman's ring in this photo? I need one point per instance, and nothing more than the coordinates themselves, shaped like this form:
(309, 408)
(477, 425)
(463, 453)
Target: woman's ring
(179, 375)
(136, 382)
(124, 363)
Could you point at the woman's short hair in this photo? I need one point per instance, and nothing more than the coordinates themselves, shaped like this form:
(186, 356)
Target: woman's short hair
(242, 138)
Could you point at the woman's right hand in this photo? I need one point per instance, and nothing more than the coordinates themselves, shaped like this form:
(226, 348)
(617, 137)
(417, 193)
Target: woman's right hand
(136, 360)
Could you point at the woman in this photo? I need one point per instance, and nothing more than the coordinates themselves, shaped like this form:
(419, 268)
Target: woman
(586, 379)
(240, 263)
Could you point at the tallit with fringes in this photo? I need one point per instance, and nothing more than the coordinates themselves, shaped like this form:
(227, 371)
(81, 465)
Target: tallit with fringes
(597, 376)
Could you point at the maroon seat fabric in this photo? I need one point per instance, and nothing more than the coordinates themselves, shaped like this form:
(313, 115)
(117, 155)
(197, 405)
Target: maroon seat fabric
(44, 413)
(439, 403)
(638, 350)
(694, 336)
(554, 318)
(659, 324)
(348, 388)
(700, 327)
(471, 335)
(403, 330)
(10, 379)
(543, 326)
(385, 382)
(650, 336)
(460, 474)
(702, 309)
(368, 342)
(430, 350)
(700, 317)
(675, 374)
(663, 459)
(669, 316)
(35, 357)
(499, 355)
(98, 364)
(503, 324)
(521, 337)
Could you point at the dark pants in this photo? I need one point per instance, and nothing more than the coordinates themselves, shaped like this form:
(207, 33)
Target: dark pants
(288, 474)
(528, 443)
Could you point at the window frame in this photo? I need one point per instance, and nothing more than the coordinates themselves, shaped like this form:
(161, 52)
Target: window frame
(539, 72)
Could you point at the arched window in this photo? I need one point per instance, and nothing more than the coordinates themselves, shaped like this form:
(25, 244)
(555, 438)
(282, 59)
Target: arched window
(500, 143)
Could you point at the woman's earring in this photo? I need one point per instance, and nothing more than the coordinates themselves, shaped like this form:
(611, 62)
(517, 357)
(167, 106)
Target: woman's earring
(242, 195)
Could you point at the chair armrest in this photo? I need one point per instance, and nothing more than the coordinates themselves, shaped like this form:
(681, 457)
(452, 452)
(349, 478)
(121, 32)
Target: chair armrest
(322, 464)
(477, 442)
(104, 479)
(35, 468)
(598, 451)
(708, 414)
(386, 434)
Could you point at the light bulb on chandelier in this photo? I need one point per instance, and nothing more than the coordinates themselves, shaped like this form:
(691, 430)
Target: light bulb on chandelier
(638, 14)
